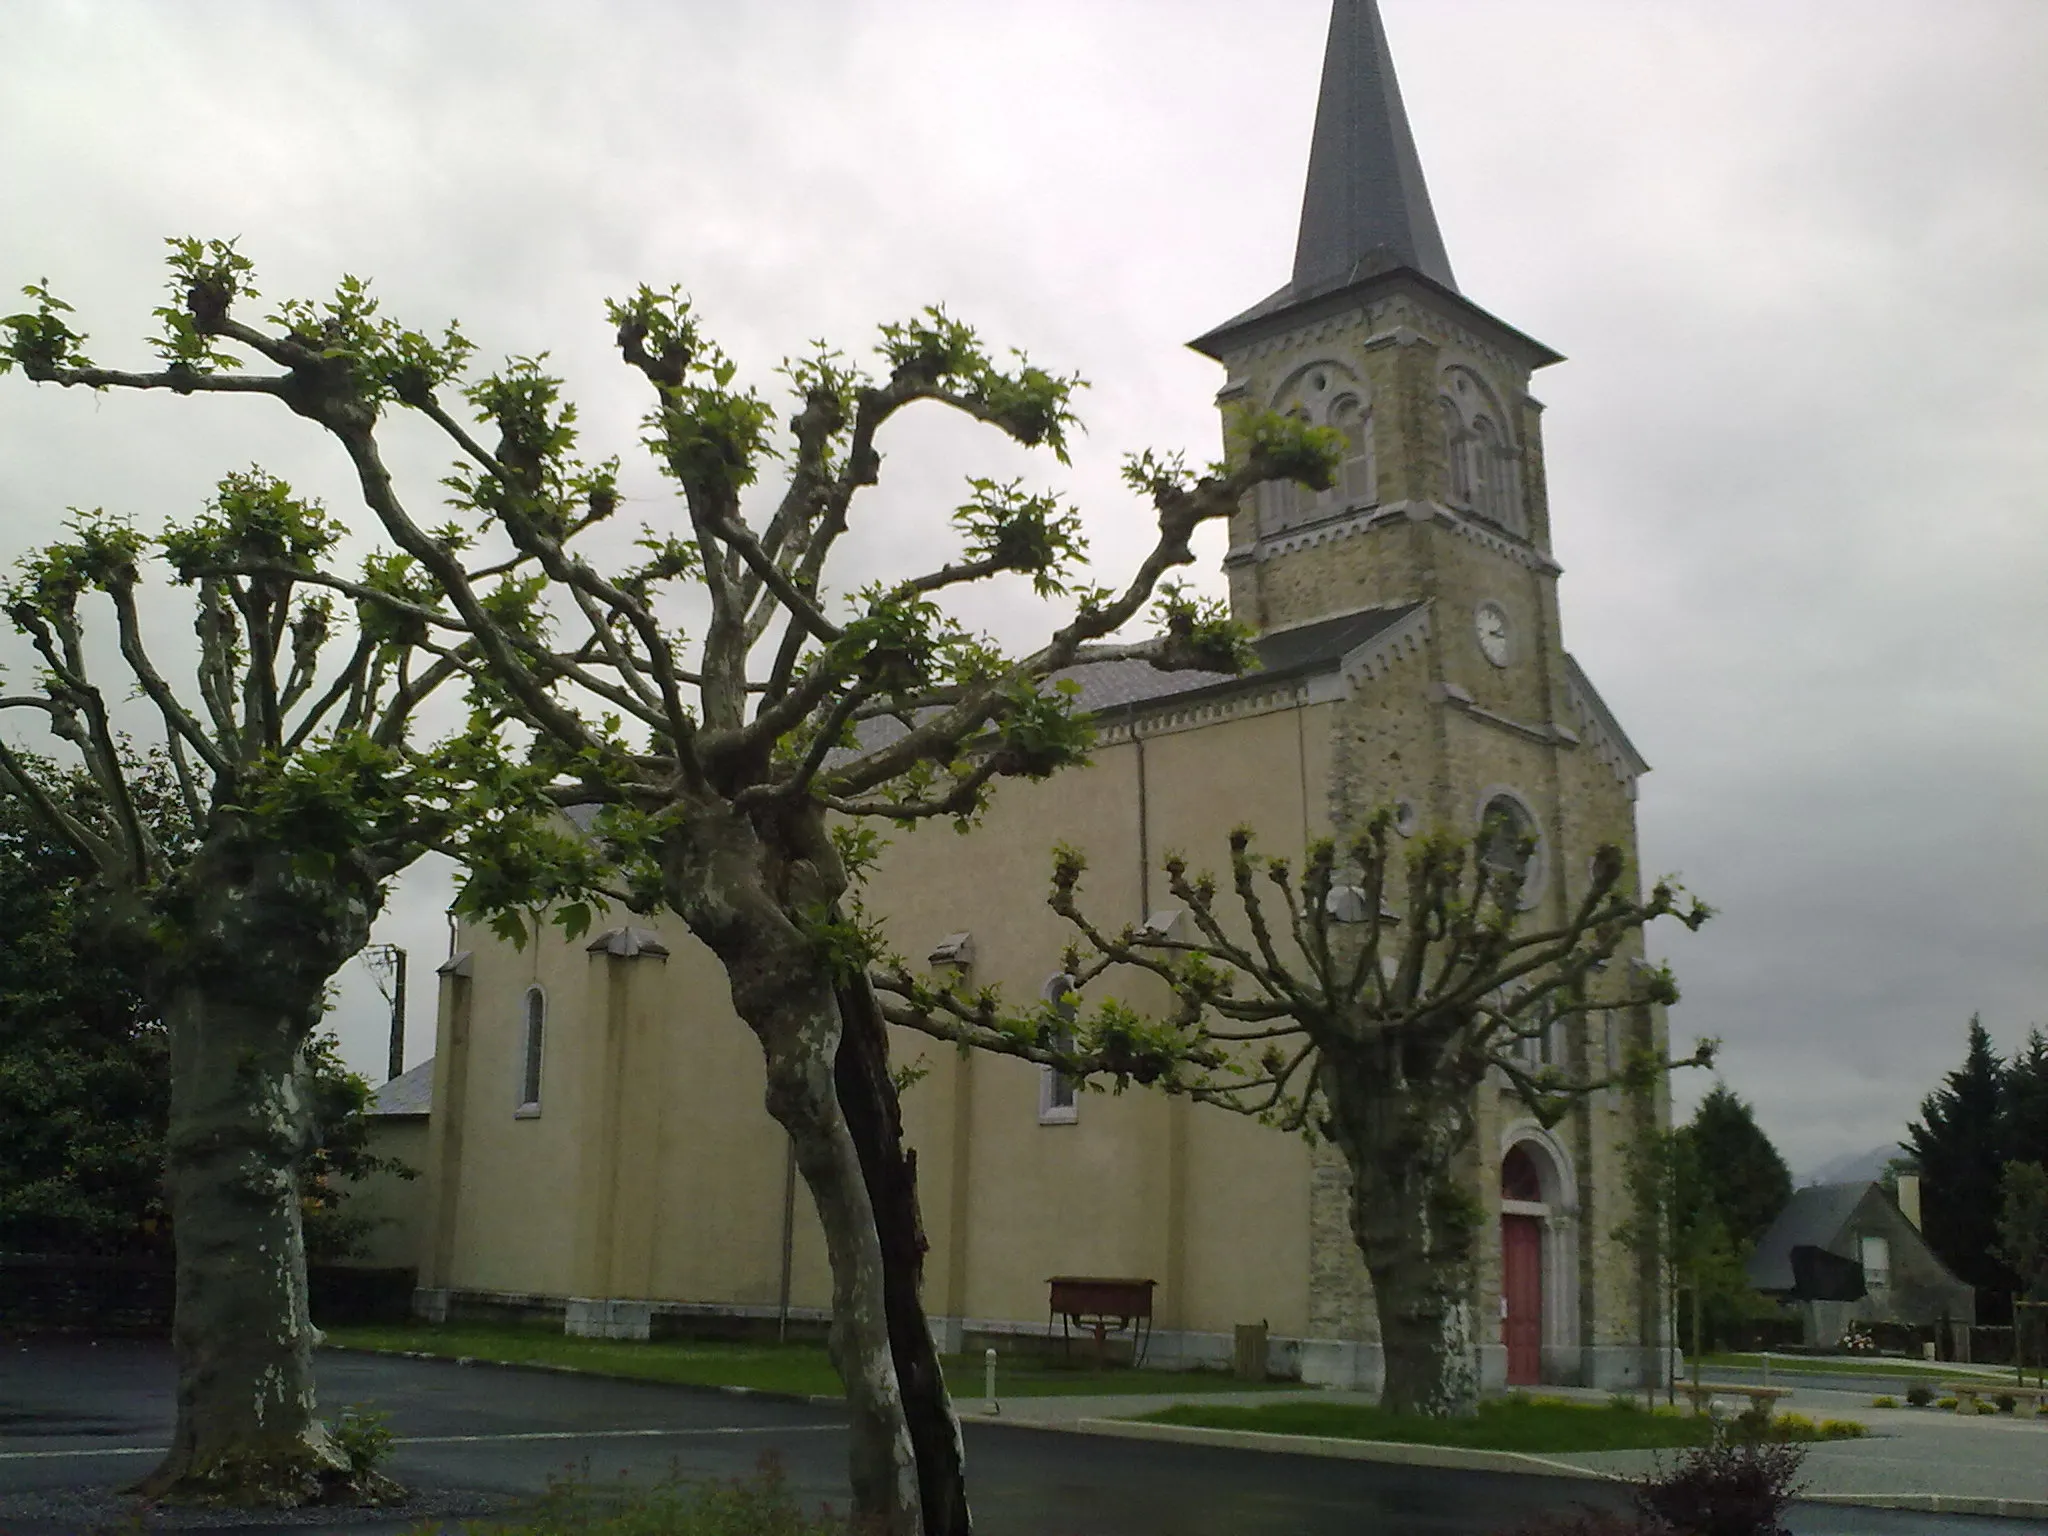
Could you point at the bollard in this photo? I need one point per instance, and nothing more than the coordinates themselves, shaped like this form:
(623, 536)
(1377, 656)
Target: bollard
(990, 1405)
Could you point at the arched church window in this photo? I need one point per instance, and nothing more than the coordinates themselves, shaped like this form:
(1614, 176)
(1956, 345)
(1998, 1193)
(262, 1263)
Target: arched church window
(1354, 486)
(1519, 1178)
(1511, 844)
(533, 1046)
(1057, 1097)
(1488, 481)
(1457, 459)
(1479, 454)
(1323, 394)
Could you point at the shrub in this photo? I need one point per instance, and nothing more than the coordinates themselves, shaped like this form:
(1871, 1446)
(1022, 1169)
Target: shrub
(363, 1435)
(1755, 1422)
(1945, 1402)
(1884, 1402)
(1842, 1429)
(2007, 1402)
(1984, 1407)
(1731, 1487)
(1919, 1397)
(1786, 1426)
(1625, 1402)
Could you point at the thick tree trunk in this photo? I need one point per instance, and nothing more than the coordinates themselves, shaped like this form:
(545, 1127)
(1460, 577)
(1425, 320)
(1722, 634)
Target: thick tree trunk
(868, 1095)
(258, 932)
(246, 1431)
(883, 1464)
(736, 884)
(1426, 1335)
(1415, 1222)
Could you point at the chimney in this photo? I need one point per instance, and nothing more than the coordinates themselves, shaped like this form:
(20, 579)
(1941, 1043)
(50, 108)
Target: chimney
(1909, 1198)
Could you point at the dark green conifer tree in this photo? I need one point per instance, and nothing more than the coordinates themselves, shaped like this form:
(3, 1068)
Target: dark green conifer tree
(1956, 1145)
(2023, 1135)
(1738, 1169)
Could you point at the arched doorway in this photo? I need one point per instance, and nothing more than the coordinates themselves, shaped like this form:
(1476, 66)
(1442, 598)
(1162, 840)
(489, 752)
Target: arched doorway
(1521, 1266)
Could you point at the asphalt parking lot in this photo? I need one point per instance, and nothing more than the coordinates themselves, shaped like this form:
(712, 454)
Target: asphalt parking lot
(74, 1413)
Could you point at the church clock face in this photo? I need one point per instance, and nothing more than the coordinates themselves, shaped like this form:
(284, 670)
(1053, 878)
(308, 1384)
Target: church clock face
(1491, 621)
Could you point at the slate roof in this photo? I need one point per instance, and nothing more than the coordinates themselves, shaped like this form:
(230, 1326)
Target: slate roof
(1365, 197)
(410, 1093)
(1112, 686)
(1365, 210)
(1813, 1217)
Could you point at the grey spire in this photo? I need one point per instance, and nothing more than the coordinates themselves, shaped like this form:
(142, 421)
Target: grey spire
(1366, 207)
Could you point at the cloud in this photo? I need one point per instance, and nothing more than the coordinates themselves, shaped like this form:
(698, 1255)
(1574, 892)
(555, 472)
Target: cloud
(1796, 459)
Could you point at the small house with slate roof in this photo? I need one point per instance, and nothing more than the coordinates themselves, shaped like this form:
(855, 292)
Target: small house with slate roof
(1903, 1280)
(598, 1138)
(400, 1114)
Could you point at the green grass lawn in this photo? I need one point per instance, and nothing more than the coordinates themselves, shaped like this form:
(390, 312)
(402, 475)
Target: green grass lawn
(1511, 1424)
(795, 1368)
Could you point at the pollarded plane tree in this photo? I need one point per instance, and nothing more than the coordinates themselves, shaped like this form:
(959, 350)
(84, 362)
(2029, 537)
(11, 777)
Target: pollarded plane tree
(739, 772)
(1365, 1001)
(297, 791)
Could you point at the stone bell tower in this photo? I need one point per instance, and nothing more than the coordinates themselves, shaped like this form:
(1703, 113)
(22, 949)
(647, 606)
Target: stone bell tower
(1441, 495)
(1459, 704)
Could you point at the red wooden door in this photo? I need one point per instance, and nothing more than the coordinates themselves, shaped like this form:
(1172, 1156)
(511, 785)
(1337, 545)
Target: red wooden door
(1521, 1288)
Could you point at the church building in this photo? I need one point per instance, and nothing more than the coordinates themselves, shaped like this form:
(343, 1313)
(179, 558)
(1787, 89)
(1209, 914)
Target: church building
(598, 1144)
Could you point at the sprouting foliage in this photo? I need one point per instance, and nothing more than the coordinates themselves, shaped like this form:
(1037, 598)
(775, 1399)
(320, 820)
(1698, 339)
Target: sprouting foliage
(41, 339)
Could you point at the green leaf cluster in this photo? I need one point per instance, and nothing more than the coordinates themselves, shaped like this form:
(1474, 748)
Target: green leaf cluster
(382, 359)
(40, 340)
(1013, 530)
(935, 352)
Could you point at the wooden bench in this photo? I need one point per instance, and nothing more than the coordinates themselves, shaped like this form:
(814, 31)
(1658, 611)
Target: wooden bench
(1761, 1399)
(1102, 1304)
(1966, 1393)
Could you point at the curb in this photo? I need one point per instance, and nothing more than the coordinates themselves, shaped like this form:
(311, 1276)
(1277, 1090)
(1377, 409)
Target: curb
(1450, 1457)
(1459, 1458)
(1938, 1503)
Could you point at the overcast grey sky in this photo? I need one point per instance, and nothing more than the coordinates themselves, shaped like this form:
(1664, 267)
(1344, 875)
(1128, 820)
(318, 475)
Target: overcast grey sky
(1794, 251)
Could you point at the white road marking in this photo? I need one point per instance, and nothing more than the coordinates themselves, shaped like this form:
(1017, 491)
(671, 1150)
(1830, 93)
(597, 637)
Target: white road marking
(539, 1434)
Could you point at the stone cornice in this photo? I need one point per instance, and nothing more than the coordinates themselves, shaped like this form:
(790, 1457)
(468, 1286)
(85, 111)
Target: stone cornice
(1602, 732)
(1191, 712)
(1373, 660)
(1461, 700)
(1342, 525)
(1398, 319)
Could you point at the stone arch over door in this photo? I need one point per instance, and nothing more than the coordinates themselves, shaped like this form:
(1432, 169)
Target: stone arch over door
(1539, 1224)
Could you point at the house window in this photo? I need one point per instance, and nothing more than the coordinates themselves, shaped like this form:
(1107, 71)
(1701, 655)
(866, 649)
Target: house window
(1876, 1253)
(1057, 1103)
(530, 1062)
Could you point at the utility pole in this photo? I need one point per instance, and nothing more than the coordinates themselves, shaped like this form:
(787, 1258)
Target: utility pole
(387, 965)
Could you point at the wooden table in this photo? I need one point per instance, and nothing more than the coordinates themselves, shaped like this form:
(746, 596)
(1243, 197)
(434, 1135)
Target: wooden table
(1102, 1304)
